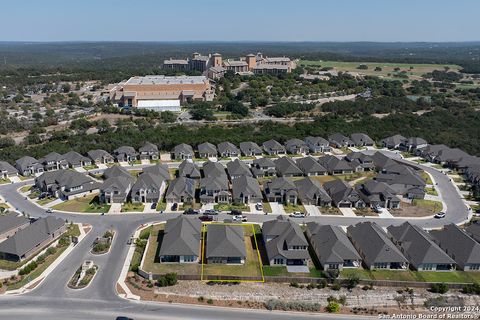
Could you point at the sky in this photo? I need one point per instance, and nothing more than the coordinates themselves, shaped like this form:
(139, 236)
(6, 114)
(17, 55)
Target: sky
(244, 20)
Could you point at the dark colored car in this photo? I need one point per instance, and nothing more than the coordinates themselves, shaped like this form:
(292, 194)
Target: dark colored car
(205, 218)
(174, 206)
(236, 212)
(190, 211)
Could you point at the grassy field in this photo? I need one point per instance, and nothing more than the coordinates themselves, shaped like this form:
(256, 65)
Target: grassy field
(432, 206)
(84, 204)
(281, 271)
(408, 275)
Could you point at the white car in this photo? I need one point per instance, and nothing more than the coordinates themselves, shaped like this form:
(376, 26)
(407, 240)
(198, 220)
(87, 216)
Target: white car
(440, 215)
(297, 215)
(259, 206)
(49, 211)
(240, 218)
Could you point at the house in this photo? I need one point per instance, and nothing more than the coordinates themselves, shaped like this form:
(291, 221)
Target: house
(250, 148)
(317, 144)
(181, 241)
(286, 167)
(246, 189)
(115, 171)
(66, 184)
(263, 167)
(362, 140)
(32, 239)
(296, 146)
(362, 160)
(274, 148)
(332, 247)
(281, 190)
(125, 154)
(215, 189)
(311, 167)
(412, 144)
(214, 169)
(285, 243)
(419, 248)
(207, 150)
(473, 231)
(182, 151)
(378, 193)
(338, 140)
(335, 165)
(99, 156)
(375, 247)
(7, 170)
(225, 244)
(311, 192)
(117, 185)
(28, 166)
(343, 195)
(149, 151)
(404, 181)
(459, 246)
(227, 149)
(10, 223)
(189, 170)
(148, 188)
(53, 161)
(238, 168)
(181, 190)
(393, 142)
(160, 170)
(76, 160)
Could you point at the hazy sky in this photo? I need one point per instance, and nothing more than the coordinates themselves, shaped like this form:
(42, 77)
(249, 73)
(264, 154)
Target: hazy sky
(232, 20)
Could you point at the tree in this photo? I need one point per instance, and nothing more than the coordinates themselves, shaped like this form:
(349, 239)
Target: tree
(333, 307)
(6, 142)
(66, 88)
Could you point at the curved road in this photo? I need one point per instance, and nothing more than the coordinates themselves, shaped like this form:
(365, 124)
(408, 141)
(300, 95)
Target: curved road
(53, 300)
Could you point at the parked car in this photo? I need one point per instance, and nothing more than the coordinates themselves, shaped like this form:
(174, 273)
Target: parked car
(377, 208)
(259, 206)
(235, 212)
(49, 210)
(440, 215)
(174, 206)
(240, 218)
(211, 212)
(297, 214)
(153, 206)
(191, 211)
(205, 218)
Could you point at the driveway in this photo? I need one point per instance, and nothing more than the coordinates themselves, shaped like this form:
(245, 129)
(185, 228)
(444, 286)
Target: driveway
(347, 212)
(277, 208)
(312, 210)
(115, 208)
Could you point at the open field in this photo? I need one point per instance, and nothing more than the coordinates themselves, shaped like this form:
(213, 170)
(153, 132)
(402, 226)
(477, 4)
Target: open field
(84, 204)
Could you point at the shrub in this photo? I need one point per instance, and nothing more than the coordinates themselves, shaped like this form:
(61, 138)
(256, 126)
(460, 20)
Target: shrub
(352, 281)
(311, 286)
(294, 284)
(201, 299)
(473, 288)
(108, 234)
(51, 250)
(134, 267)
(28, 268)
(322, 284)
(210, 301)
(332, 274)
(332, 307)
(439, 288)
(292, 306)
(167, 280)
(336, 286)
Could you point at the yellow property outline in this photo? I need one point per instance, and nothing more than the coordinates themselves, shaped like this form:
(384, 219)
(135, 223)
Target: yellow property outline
(204, 229)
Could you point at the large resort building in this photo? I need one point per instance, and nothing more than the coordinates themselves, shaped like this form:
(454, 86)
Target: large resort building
(162, 93)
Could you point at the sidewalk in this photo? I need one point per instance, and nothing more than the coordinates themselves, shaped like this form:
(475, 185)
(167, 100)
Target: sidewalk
(126, 266)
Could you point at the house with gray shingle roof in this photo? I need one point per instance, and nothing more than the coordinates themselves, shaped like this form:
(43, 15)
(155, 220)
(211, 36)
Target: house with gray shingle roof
(404, 181)
(207, 150)
(250, 148)
(311, 167)
(263, 167)
(125, 154)
(238, 168)
(419, 248)
(362, 140)
(66, 184)
(338, 140)
(215, 189)
(412, 144)
(360, 160)
(181, 241)
(76, 160)
(273, 148)
(393, 142)
(182, 151)
(285, 243)
(286, 167)
(246, 189)
(160, 169)
(214, 169)
(11, 223)
(296, 146)
(99, 156)
(335, 165)
(375, 247)
(27, 166)
(7, 170)
(115, 171)
(148, 151)
(317, 144)
(181, 190)
(459, 246)
(34, 238)
(281, 190)
(148, 188)
(225, 244)
(473, 231)
(378, 193)
(53, 161)
(332, 247)
(189, 169)
(311, 192)
(116, 189)
(227, 149)
(343, 195)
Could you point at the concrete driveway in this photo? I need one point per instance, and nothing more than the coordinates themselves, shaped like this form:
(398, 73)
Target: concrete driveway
(347, 212)
(277, 208)
(312, 210)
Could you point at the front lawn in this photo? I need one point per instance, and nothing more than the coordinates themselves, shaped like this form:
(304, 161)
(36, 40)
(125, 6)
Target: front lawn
(91, 167)
(430, 205)
(331, 211)
(267, 208)
(89, 204)
(161, 206)
(4, 181)
(426, 177)
(431, 191)
(45, 201)
(290, 208)
(132, 207)
(26, 188)
(229, 207)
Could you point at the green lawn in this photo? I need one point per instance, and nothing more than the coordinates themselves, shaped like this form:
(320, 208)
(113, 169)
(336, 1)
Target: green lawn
(161, 206)
(136, 162)
(132, 207)
(84, 204)
(4, 181)
(291, 208)
(433, 206)
(229, 207)
(426, 177)
(431, 191)
(91, 167)
(267, 208)
(46, 201)
(453, 276)
(408, 275)
(26, 188)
